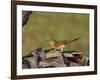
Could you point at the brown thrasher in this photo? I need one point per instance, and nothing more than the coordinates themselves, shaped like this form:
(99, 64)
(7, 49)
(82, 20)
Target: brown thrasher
(61, 44)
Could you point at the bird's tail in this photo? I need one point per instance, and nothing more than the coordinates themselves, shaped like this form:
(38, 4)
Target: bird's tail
(74, 39)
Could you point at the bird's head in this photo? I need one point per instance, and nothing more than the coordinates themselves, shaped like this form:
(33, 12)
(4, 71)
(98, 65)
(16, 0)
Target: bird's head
(52, 41)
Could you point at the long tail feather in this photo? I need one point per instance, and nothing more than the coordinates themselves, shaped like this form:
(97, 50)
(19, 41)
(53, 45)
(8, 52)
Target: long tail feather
(74, 40)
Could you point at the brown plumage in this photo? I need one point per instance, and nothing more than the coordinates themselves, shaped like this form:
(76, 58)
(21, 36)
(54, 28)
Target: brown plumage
(62, 43)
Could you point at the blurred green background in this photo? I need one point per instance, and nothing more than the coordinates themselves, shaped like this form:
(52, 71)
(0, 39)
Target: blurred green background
(43, 26)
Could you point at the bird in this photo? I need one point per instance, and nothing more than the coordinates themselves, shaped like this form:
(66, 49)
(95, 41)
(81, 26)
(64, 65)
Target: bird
(61, 44)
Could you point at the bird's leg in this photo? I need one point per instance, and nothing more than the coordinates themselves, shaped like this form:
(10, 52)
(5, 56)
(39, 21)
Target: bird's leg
(62, 50)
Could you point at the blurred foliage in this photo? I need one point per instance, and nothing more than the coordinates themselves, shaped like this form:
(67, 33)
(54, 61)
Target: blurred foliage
(43, 26)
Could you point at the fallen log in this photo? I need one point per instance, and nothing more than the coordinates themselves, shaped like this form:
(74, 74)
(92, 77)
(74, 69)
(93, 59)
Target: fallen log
(41, 58)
